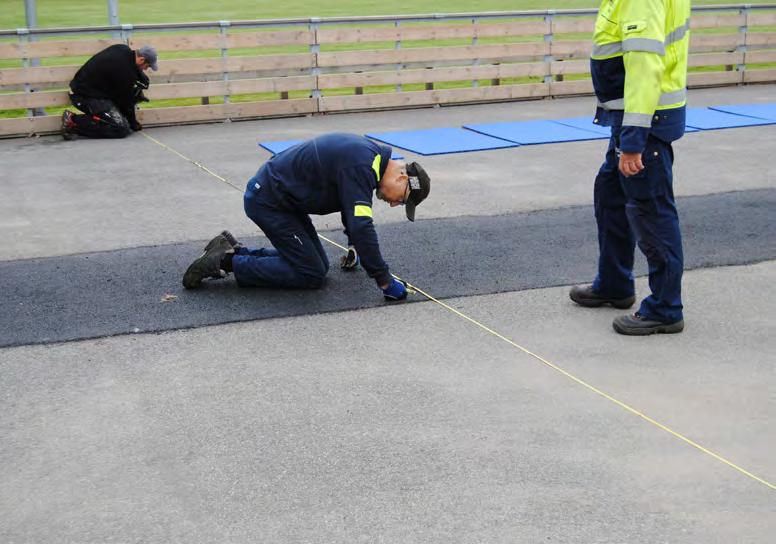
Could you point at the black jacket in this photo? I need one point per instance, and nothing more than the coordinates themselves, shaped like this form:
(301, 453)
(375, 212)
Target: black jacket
(111, 74)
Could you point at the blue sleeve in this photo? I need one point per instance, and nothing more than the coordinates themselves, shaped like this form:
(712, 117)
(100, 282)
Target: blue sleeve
(633, 139)
(356, 187)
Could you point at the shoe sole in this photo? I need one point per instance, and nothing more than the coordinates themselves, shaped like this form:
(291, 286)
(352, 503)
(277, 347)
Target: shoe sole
(673, 328)
(619, 303)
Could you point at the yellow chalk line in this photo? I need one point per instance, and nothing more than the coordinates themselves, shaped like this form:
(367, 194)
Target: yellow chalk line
(539, 358)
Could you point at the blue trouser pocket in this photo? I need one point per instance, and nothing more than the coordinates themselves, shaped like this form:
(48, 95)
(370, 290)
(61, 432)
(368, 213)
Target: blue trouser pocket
(655, 179)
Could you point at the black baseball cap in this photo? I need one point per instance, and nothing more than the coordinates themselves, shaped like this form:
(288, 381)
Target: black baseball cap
(420, 187)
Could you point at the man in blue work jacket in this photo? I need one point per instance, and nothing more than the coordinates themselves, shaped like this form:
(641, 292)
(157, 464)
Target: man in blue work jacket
(330, 173)
(639, 69)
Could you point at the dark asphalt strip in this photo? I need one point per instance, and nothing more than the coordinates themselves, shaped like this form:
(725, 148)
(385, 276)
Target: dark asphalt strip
(119, 292)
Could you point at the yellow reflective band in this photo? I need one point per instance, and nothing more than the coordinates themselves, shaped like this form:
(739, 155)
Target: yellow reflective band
(376, 168)
(361, 210)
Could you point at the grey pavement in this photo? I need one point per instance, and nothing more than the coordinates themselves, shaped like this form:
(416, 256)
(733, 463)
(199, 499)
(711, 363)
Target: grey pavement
(337, 418)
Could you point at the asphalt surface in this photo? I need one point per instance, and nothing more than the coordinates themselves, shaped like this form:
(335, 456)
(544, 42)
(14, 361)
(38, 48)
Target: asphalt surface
(503, 413)
(138, 290)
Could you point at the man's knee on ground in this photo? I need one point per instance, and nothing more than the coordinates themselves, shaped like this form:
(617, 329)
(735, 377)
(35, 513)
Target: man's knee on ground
(313, 281)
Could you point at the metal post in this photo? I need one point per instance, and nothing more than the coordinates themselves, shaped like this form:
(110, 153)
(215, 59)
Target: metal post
(113, 16)
(31, 17)
(397, 46)
(315, 48)
(31, 14)
(549, 59)
(224, 25)
(744, 31)
(475, 41)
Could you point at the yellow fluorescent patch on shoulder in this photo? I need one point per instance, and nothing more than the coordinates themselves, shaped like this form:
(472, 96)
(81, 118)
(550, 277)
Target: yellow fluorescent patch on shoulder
(362, 211)
(634, 27)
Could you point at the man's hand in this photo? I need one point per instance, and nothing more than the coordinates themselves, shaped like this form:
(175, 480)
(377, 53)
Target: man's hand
(350, 260)
(396, 290)
(630, 164)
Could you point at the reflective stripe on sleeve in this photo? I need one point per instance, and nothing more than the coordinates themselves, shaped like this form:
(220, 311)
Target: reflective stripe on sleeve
(666, 99)
(362, 211)
(645, 45)
(642, 44)
(607, 49)
(376, 168)
(674, 97)
(678, 34)
(637, 120)
(617, 104)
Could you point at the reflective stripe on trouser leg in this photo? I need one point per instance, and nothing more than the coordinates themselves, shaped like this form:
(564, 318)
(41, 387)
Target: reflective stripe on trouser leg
(616, 243)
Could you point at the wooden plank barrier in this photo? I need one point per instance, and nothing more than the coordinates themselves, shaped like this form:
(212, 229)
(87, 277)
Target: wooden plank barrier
(297, 69)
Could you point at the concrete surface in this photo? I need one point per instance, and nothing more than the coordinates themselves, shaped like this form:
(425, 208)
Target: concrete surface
(394, 423)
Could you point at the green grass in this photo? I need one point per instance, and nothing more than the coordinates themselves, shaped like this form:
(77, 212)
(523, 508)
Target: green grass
(63, 13)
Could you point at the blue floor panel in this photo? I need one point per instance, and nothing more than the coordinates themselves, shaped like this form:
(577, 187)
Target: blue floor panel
(277, 147)
(439, 141)
(706, 119)
(585, 123)
(760, 111)
(535, 132)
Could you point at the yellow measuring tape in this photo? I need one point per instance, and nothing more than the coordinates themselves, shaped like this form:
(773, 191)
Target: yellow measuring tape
(581, 382)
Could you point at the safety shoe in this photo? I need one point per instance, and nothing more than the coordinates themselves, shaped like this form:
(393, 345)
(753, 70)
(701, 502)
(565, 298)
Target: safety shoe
(208, 265)
(236, 244)
(585, 296)
(638, 325)
(68, 126)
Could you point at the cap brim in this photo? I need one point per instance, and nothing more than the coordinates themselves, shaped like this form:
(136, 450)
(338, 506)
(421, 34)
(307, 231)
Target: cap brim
(409, 208)
(154, 67)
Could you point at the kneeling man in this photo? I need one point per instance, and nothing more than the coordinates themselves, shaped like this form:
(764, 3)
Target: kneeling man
(331, 173)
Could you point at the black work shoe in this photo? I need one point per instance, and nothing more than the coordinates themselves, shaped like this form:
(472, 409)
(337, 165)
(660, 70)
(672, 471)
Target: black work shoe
(229, 238)
(585, 296)
(208, 265)
(638, 325)
(68, 126)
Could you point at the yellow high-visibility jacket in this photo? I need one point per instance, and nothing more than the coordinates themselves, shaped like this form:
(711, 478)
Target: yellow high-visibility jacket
(639, 68)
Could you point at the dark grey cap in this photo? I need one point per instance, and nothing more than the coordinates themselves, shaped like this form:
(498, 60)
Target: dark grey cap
(149, 54)
(420, 187)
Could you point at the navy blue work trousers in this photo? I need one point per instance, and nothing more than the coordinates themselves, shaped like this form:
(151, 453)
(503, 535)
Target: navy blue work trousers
(640, 210)
(297, 259)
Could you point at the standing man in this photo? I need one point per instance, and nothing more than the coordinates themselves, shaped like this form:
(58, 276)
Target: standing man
(639, 69)
(106, 89)
(330, 173)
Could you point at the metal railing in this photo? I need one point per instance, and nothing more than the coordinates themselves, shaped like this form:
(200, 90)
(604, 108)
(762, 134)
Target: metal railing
(330, 44)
